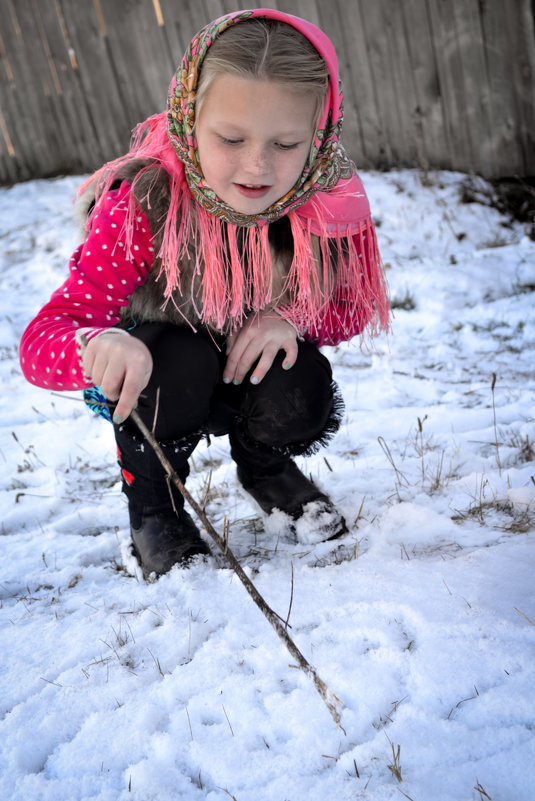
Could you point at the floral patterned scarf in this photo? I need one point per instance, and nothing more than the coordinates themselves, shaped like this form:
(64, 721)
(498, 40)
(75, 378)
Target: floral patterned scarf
(326, 162)
(328, 202)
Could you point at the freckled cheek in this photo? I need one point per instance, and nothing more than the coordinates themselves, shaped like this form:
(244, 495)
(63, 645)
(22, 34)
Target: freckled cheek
(294, 170)
(224, 164)
(214, 166)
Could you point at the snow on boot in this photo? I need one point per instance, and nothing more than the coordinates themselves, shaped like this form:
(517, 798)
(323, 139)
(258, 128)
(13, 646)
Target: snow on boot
(313, 517)
(163, 537)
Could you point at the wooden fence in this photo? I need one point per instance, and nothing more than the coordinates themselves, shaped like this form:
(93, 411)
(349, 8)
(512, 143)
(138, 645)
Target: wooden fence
(428, 83)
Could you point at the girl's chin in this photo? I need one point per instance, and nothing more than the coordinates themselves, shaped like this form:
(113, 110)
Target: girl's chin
(250, 201)
(245, 200)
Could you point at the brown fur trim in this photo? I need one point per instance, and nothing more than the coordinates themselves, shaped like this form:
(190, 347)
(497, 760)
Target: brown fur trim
(81, 208)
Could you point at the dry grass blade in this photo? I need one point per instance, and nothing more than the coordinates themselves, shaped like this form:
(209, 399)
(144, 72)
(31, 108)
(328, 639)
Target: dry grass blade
(229, 794)
(48, 681)
(531, 623)
(287, 621)
(395, 767)
(228, 721)
(482, 792)
(189, 724)
(498, 460)
(402, 479)
(156, 662)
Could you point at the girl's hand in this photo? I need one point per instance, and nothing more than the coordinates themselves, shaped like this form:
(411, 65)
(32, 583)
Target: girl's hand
(121, 365)
(263, 335)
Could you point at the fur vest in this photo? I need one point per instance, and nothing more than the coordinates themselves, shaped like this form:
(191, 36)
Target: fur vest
(147, 303)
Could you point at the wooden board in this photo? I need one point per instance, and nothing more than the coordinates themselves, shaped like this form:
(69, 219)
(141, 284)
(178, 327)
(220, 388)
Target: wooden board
(427, 83)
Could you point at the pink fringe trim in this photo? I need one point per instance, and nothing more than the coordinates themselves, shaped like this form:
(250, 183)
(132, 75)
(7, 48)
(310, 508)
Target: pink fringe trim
(354, 275)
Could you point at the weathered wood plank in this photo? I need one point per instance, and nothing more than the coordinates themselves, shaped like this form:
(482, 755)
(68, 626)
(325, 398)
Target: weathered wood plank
(470, 47)
(309, 10)
(139, 54)
(429, 110)
(521, 37)
(407, 106)
(438, 83)
(345, 31)
(175, 35)
(381, 69)
(502, 110)
(451, 82)
(66, 114)
(99, 87)
(24, 102)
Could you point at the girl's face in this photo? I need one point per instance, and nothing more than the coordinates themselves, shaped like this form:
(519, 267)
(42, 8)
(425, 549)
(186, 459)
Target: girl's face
(253, 140)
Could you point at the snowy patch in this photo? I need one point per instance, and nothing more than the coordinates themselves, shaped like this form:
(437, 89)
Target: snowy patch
(421, 619)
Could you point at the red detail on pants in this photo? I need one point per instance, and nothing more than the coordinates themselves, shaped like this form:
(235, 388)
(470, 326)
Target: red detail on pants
(128, 477)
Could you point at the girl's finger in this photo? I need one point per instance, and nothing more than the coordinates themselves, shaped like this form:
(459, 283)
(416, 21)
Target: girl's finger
(264, 364)
(88, 360)
(268, 357)
(291, 352)
(95, 362)
(112, 381)
(231, 339)
(128, 398)
(234, 359)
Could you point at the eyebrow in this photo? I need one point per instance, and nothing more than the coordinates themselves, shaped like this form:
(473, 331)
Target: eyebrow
(231, 127)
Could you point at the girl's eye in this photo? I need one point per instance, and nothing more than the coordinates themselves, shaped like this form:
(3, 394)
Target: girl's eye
(279, 145)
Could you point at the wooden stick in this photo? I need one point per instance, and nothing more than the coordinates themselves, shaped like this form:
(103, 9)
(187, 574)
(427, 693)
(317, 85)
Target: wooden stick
(334, 705)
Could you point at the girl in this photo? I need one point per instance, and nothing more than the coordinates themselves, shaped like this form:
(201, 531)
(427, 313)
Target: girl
(230, 243)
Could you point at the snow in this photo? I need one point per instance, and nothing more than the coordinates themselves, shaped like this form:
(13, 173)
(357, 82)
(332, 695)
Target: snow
(421, 620)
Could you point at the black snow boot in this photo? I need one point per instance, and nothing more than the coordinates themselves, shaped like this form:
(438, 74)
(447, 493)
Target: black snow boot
(163, 537)
(290, 413)
(163, 533)
(312, 512)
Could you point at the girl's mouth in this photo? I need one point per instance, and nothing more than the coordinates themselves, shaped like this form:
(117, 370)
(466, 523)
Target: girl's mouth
(252, 190)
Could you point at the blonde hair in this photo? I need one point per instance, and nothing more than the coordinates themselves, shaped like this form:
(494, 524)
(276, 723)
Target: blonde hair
(267, 50)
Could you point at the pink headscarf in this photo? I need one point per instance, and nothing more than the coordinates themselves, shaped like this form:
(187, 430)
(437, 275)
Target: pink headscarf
(320, 170)
(328, 201)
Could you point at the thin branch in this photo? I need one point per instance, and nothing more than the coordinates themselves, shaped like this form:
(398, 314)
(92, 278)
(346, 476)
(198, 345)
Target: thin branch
(333, 703)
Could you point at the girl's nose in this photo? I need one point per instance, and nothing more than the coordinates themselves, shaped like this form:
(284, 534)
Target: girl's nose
(257, 160)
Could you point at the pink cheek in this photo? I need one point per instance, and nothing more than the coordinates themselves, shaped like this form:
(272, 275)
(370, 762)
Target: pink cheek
(218, 165)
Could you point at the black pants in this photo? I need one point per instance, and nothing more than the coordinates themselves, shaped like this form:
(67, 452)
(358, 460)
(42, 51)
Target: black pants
(289, 412)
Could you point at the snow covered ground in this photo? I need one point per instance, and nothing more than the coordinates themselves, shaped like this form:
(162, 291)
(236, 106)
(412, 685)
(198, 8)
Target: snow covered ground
(422, 620)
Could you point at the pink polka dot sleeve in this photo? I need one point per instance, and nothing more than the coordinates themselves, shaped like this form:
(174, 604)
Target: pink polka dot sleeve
(101, 278)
